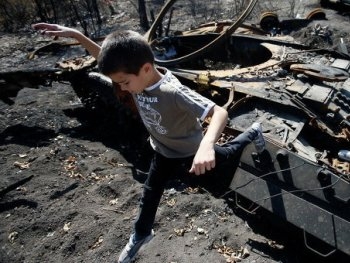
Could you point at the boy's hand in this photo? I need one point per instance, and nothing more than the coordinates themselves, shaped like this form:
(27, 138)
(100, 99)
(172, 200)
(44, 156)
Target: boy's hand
(63, 31)
(204, 160)
(55, 30)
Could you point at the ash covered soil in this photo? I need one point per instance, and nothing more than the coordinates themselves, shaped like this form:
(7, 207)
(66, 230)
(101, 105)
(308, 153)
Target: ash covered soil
(71, 179)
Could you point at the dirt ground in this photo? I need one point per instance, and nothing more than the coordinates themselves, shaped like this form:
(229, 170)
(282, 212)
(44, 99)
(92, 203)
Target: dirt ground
(70, 182)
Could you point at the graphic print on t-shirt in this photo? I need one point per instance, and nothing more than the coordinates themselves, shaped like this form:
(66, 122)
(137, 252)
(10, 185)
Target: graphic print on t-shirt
(151, 117)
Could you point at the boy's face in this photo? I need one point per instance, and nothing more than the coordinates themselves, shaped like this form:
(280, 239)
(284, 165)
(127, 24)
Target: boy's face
(130, 82)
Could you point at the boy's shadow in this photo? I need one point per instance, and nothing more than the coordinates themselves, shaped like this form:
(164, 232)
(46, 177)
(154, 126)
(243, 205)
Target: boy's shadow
(215, 182)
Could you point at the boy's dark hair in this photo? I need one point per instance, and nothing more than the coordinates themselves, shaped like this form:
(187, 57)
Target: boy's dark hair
(124, 51)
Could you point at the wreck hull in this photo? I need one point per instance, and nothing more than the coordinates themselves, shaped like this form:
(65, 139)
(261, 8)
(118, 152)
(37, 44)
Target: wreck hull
(274, 183)
(294, 92)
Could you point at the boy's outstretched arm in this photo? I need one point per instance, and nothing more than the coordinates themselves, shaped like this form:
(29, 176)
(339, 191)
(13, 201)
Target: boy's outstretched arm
(204, 159)
(62, 31)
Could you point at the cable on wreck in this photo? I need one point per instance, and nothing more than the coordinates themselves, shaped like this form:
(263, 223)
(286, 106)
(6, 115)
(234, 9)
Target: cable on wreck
(217, 41)
(298, 190)
(286, 192)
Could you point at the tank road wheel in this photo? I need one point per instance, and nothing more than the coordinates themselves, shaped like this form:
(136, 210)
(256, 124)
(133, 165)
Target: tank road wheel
(316, 14)
(269, 21)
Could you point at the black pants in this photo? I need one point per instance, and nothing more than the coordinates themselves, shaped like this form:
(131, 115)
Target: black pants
(163, 169)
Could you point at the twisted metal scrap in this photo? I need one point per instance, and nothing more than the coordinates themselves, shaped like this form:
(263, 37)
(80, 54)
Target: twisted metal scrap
(150, 35)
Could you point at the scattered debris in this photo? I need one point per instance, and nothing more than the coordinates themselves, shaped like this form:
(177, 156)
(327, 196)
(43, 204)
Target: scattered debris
(12, 237)
(113, 201)
(22, 165)
(67, 227)
(98, 243)
(71, 168)
(233, 255)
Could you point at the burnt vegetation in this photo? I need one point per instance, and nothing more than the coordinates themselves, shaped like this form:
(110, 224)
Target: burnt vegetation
(90, 15)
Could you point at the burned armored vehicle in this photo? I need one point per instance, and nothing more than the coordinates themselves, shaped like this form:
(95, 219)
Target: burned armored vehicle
(300, 94)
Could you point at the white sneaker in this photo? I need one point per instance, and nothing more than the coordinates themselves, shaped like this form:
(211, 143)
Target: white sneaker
(259, 140)
(132, 247)
(344, 155)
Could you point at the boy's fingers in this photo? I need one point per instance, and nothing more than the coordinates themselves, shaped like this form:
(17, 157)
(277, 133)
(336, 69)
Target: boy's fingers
(201, 169)
(39, 26)
(35, 26)
(194, 170)
(208, 167)
(50, 33)
(44, 26)
(197, 169)
(212, 164)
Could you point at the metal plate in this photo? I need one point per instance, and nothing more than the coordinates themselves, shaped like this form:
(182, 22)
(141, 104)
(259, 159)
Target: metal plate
(318, 93)
(322, 72)
(341, 63)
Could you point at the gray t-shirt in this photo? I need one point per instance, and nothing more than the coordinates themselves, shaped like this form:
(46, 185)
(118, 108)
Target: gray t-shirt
(172, 113)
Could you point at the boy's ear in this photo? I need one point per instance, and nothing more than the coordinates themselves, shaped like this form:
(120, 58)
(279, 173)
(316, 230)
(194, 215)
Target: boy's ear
(147, 67)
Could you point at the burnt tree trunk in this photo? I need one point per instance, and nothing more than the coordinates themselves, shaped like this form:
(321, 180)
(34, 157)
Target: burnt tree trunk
(97, 12)
(6, 23)
(82, 22)
(41, 11)
(143, 15)
(55, 17)
(91, 14)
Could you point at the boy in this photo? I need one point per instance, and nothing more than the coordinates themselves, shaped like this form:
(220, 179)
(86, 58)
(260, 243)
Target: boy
(171, 112)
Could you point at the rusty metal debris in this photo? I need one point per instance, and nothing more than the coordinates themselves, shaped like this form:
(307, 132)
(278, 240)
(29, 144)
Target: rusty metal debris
(220, 38)
(77, 63)
(326, 73)
(300, 94)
